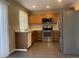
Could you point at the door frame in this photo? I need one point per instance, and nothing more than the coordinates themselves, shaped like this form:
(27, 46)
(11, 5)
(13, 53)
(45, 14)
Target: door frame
(4, 30)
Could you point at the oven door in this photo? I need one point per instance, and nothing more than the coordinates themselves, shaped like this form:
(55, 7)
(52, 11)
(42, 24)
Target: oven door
(47, 36)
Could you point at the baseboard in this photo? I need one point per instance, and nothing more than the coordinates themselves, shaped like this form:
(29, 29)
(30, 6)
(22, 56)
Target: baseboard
(12, 51)
(71, 52)
(38, 40)
(76, 52)
(21, 49)
(17, 50)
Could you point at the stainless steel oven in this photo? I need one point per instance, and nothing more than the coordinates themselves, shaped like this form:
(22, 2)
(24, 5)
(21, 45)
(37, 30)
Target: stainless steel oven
(47, 35)
(47, 32)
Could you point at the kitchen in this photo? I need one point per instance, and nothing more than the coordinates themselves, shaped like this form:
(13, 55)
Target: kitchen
(35, 29)
(26, 33)
(22, 28)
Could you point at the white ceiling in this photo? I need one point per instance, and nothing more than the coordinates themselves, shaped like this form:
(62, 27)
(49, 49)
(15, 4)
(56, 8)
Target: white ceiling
(41, 4)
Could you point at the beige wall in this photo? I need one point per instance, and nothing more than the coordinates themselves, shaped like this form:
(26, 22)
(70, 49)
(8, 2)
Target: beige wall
(77, 31)
(68, 32)
(76, 4)
(13, 10)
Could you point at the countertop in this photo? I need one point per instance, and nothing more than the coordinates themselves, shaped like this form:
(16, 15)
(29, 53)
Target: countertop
(36, 28)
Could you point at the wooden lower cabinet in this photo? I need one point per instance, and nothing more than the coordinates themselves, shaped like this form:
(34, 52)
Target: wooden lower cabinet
(36, 36)
(56, 36)
(39, 35)
(20, 40)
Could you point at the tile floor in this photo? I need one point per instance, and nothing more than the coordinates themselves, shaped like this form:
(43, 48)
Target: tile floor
(42, 50)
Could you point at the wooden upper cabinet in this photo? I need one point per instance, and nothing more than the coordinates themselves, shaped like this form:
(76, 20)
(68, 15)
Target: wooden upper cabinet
(54, 18)
(37, 19)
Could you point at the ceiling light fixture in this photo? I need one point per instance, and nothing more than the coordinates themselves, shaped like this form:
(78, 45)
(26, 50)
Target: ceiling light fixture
(48, 6)
(59, 0)
(34, 6)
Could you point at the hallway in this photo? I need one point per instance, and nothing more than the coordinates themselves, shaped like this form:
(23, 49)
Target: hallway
(42, 50)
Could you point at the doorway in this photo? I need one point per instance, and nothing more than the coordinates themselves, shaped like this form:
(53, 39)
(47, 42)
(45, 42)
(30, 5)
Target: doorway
(45, 49)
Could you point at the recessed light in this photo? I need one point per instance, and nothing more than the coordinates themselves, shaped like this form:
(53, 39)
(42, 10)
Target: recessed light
(47, 6)
(34, 6)
(59, 0)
